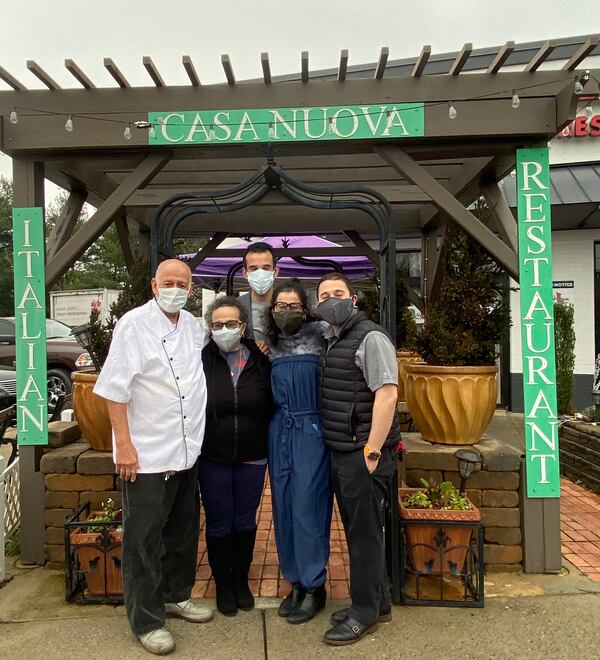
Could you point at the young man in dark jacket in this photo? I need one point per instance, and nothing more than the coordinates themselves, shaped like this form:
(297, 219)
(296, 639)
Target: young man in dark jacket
(359, 391)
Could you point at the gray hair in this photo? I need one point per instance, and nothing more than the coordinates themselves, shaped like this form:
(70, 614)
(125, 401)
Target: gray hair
(225, 301)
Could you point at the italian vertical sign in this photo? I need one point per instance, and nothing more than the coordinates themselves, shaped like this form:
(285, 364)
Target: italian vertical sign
(537, 323)
(30, 326)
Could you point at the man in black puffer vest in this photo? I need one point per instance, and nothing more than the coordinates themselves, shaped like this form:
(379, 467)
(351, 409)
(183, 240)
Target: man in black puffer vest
(359, 391)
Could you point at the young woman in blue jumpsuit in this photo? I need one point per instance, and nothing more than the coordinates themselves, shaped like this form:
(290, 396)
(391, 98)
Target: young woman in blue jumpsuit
(298, 458)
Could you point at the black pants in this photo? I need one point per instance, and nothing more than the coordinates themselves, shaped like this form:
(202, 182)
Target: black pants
(361, 499)
(160, 545)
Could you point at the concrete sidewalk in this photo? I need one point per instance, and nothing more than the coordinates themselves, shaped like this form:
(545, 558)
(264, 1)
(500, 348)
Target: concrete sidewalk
(524, 617)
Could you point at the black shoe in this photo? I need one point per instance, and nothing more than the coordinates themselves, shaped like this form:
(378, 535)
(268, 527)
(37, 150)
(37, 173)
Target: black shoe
(348, 632)
(341, 615)
(243, 550)
(313, 602)
(291, 601)
(226, 600)
(220, 558)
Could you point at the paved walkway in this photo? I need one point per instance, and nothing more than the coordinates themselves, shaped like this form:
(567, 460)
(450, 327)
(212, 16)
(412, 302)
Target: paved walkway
(580, 528)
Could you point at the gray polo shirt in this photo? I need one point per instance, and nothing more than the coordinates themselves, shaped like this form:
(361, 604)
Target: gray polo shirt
(258, 320)
(375, 357)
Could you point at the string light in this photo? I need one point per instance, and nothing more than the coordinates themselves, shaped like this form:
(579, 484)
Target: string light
(331, 127)
(127, 132)
(516, 101)
(589, 111)
(69, 124)
(14, 118)
(271, 132)
(452, 114)
(152, 131)
(211, 133)
(578, 89)
(388, 124)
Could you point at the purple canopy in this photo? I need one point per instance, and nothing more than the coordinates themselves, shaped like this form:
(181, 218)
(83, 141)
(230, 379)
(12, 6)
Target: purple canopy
(354, 267)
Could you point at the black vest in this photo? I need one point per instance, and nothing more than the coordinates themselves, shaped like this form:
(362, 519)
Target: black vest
(237, 419)
(346, 400)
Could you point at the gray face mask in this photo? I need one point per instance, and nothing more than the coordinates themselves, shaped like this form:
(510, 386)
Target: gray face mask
(335, 311)
(227, 340)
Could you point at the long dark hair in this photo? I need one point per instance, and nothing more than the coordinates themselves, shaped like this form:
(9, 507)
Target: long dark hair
(289, 286)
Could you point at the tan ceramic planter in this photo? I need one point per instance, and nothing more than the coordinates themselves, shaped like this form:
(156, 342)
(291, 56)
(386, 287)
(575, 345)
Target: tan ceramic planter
(451, 405)
(403, 358)
(91, 412)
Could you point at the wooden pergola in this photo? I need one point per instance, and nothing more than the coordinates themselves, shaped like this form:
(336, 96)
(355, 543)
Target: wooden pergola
(472, 130)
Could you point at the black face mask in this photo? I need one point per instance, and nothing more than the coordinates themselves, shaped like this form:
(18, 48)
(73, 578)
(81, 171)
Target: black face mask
(288, 322)
(335, 311)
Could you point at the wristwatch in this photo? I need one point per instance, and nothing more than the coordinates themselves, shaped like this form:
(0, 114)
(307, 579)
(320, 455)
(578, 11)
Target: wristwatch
(372, 454)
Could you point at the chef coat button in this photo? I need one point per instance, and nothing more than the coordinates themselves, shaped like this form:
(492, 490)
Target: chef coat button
(164, 341)
(183, 397)
(177, 377)
(171, 359)
(185, 417)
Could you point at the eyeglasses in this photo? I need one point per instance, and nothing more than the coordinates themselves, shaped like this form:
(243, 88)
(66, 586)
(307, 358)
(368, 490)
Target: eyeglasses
(230, 325)
(283, 306)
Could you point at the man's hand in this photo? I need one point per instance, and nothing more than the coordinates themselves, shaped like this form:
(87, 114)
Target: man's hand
(126, 461)
(371, 465)
(262, 346)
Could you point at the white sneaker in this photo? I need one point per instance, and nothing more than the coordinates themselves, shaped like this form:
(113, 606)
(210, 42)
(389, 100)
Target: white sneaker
(190, 611)
(159, 642)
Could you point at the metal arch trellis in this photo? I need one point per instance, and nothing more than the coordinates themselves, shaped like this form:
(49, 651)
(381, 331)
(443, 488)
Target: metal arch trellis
(359, 198)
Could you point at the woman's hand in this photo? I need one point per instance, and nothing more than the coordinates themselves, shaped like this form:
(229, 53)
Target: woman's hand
(262, 347)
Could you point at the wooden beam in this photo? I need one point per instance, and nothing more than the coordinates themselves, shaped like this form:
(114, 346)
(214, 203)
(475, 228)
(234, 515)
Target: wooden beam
(343, 65)
(65, 225)
(421, 62)
(381, 63)
(228, 68)
(125, 239)
(79, 75)
(207, 250)
(580, 54)
(446, 202)
(540, 57)
(9, 79)
(96, 225)
(266, 67)
(190, 69)
(153, 71)
(461, 59)
(501, 57)
(436, 272)
(304, 66)
(368, 251)
(115, 72)
(39, 73)
(502, 214)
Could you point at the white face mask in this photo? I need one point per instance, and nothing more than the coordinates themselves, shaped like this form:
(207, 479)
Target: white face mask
(227, 340)
(261, 280)
(172, 299)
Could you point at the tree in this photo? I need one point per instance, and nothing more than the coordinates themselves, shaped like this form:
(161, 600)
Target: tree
(564, 340)
(7, 303)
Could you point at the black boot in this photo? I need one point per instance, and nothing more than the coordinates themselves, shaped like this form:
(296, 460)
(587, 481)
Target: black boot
(291, 601)
(243, 549)
(313, 602)
(220, 558)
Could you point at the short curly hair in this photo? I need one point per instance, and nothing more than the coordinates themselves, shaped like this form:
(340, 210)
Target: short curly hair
(225, 301)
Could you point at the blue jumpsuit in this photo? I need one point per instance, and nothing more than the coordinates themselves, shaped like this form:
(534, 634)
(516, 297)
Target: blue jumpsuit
(299, 471)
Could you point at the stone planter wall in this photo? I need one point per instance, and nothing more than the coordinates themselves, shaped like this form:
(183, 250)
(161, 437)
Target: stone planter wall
(494, 490)
(579, 445)
(73, 474)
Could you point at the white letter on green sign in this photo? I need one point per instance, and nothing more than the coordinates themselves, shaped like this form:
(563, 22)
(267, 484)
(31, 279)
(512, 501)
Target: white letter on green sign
(30, 322)
(537, 323)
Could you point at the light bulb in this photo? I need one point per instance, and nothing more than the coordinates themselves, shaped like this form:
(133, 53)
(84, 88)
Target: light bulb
(589, 111)
(152, 131)
(14, 118)
(271, 132)
(516, 101)
(69, 124)
(452, 114)
(211, 133)
(578, 89)
(331, 127)
(127, 132)
(388, 124)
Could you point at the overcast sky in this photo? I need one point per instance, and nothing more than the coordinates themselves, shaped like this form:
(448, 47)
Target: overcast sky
(48, 31)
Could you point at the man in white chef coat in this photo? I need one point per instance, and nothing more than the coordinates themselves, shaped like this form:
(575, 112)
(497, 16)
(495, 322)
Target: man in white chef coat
(154, 384)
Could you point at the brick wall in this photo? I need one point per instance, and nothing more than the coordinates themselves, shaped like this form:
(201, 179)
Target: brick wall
(494, 490)
(579, 445)
(74, 474)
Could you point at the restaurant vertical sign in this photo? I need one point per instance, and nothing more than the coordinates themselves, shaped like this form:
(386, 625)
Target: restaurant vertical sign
(537, 323)
(30, 322)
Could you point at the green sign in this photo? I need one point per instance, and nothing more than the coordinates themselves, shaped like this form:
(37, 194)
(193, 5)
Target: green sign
(30, 321)
(340, 122)
(537, 323)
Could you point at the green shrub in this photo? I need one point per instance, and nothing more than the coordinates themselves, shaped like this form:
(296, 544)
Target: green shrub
(564, 341)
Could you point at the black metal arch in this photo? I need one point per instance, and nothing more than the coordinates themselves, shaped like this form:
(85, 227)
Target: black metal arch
(359, 198)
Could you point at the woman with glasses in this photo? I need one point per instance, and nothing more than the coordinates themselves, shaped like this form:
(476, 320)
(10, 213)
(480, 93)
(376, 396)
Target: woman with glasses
(233, 460)
(298, 457)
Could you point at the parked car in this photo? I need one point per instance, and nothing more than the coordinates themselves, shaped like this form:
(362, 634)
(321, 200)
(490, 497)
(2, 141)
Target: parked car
(64, 355)
(8, 388)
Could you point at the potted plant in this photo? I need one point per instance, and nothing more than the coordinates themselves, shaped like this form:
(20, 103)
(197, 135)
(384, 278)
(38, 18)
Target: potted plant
(96, 549)
(436, 548)
(452, 395)
(91, 411)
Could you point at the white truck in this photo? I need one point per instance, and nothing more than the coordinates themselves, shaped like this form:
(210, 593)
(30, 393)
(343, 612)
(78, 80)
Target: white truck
(74, 307)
